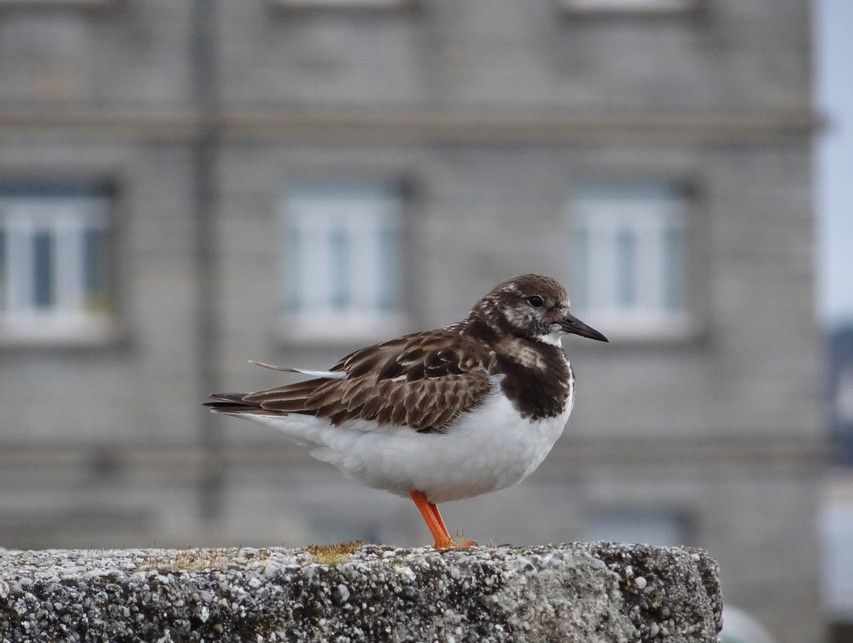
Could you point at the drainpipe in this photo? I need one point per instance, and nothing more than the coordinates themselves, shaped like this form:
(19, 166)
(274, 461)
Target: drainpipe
(205, 151)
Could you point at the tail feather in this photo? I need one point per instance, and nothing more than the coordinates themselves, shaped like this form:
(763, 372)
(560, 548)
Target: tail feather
(231, 403)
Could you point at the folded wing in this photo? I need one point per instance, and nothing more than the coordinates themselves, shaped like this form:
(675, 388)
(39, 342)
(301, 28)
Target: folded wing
(421, 381)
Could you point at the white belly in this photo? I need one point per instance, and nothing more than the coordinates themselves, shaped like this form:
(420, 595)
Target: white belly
(489, 449)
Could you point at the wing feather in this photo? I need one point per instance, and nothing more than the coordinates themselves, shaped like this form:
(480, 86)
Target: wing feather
(422, 381)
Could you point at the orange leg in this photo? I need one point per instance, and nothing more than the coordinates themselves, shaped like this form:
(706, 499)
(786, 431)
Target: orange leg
(434, 522)
(435, 526)
(434, 509)
(437, 514)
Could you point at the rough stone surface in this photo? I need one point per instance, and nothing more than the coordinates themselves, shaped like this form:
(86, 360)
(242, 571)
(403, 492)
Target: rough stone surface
(573, 592)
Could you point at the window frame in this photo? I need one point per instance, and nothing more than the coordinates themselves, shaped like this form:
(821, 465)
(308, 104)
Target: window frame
(352, 322)
(637, 322)
(65, 216)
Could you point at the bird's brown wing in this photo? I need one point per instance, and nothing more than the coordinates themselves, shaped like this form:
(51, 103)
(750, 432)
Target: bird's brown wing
(422, 381)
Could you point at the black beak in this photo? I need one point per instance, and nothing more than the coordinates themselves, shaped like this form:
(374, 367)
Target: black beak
(575, 326)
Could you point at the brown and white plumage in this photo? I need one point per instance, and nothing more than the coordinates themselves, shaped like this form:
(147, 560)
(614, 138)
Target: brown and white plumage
(447, 413)
(420, 381)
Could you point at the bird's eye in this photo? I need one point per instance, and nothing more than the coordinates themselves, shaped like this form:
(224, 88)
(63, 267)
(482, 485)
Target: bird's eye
(536, 301)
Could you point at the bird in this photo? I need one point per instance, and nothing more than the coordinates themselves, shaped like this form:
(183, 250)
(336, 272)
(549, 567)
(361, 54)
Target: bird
(438, 415)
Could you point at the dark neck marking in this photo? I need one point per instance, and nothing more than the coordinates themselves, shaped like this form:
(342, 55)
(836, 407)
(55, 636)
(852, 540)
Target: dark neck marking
(537, 390)
(479, 329)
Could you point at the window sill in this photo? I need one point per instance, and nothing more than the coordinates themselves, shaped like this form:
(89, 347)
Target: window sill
(631, 8)
(308, 329)
(58, 4)
(621, 329)
(342, 5)
(83, 334)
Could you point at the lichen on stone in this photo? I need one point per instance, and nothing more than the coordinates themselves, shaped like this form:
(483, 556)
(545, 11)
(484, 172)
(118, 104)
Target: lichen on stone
(334, 553)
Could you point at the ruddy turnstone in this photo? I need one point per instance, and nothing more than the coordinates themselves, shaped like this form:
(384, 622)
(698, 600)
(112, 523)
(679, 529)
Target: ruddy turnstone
(440, 414)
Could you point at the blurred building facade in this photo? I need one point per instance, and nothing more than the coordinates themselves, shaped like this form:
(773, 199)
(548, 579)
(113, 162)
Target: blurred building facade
(837, 509)
(840, 389)
(188, 185)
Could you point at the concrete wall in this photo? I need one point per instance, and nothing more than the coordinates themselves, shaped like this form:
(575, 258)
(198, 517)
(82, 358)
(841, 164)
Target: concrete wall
(595, 591)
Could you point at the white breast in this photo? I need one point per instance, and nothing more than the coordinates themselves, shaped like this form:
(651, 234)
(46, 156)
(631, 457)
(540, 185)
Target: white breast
(486, 450)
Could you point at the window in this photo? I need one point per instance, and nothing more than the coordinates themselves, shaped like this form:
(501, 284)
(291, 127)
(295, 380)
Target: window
(54, 265)
(343, 261)
(836, 527)
(652, 527)
(629, 252)
(844, 395)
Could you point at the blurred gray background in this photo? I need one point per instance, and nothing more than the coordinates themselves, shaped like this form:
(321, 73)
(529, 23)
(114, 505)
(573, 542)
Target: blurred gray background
(186, 185)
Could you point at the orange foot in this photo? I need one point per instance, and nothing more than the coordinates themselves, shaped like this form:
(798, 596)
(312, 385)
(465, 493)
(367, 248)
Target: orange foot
(435, 524)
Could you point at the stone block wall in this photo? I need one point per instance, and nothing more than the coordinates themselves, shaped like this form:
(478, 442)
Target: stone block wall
(572, 592)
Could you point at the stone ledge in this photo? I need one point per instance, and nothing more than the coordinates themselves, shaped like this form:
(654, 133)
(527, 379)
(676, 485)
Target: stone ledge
(572, 592)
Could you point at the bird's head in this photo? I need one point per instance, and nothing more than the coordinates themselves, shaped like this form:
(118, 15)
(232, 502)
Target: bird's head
(532, 306)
